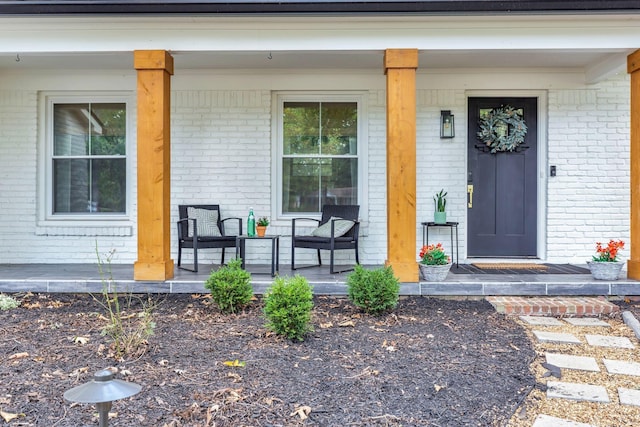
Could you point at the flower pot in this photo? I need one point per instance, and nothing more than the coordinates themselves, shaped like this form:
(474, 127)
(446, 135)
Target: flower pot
(434, 273)
(260, 230)
(440, 217)
(605, 270)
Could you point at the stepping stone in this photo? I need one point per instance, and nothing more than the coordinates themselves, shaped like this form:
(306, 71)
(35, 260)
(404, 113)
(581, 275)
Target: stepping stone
(609, 341)
(575, 391)
(629, 396)
(560, 337)
(586, 321)
(541, 321)
(622, 367)
(549, 421)
(573, 362)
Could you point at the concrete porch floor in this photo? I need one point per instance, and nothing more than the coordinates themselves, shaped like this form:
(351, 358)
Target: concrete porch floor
(78, 278)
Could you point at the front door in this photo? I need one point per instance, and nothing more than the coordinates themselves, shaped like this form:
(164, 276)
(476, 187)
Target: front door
(502, 177)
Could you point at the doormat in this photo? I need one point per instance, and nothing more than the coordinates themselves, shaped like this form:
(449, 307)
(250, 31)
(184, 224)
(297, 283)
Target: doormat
(510, 265)
(506, 268)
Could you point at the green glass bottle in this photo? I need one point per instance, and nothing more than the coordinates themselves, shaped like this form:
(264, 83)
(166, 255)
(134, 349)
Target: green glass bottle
(251, 224)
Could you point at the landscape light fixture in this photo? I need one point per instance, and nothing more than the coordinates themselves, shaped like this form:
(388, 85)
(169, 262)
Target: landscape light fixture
(102, 390)
(447, 128)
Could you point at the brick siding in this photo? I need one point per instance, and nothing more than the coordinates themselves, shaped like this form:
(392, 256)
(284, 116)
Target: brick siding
(222, 151)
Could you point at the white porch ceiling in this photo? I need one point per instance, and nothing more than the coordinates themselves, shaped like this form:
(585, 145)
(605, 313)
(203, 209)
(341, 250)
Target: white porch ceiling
(575, 60)
(595, 46)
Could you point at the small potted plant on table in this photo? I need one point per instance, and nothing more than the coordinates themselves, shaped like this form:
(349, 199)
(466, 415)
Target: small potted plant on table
(605, 265)
(261, 226)
(434, 263)
(440, 214)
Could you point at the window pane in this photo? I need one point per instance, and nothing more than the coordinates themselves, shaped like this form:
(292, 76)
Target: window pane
(310, 183)
(339, 128)
(300, 182)
(70, 129)
(108, 129)
(342, 185)
(301, 131)
(81, 129)
(109, 180)
(84, 185)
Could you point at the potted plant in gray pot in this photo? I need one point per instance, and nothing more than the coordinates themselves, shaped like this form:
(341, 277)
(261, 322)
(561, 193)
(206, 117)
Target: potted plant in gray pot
(440, 214)
(434, 263)
(605, 265)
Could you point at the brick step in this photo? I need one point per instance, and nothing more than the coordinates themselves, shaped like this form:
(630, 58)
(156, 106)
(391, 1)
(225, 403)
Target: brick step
(553, 306)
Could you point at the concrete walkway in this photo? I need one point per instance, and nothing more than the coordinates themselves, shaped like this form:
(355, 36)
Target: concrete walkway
(595, 332)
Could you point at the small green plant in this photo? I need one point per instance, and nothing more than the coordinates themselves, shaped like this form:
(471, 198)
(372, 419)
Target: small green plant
(441, 201)
(374, 291)
(8, 302)
(263, 221)
(128, 328)
(230, 286)
(288, 305)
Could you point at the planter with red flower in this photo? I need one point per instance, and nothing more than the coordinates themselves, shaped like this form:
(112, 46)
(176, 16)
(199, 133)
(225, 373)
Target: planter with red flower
(605, 265)
(434, 263)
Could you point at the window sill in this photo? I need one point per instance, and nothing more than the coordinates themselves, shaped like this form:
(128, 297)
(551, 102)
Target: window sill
(82, 228)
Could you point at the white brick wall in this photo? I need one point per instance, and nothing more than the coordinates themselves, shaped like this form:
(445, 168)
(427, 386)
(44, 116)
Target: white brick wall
(441, 164)
(373, 244)
(18, 125)
(21, 240)
(588, 201)
(222, 149)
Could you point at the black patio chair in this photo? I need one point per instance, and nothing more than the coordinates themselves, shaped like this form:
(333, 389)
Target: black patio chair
(337, 229)
(201, 227)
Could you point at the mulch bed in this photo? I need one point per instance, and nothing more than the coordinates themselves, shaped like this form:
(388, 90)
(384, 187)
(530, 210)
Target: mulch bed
(430, 362)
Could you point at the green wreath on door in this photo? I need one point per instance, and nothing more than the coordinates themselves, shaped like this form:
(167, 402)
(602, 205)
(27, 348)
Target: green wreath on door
(503, 129)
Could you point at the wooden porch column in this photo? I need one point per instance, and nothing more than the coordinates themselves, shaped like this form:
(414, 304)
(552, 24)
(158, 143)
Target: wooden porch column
(633, 68)
(155, 68)
(400, 67)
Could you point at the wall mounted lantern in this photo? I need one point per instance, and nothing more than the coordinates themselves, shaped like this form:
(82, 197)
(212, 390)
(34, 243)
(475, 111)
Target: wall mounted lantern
(102, 390)
(447, 128)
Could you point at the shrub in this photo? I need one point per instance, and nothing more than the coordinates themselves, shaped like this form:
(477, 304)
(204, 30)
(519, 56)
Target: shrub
(230, 286)
(288, 304)
(373, 290)
(8, 302)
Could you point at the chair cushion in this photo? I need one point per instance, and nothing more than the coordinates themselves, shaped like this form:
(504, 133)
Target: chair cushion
(206, 220)
(340, 229)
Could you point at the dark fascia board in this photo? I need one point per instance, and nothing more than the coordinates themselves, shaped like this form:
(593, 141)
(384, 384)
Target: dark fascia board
(329, 7)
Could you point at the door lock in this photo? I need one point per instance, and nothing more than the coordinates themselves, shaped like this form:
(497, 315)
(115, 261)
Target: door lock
(470, 193)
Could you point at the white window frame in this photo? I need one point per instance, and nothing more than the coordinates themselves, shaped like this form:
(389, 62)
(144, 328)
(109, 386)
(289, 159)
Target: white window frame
(46, 217)
(279, 98)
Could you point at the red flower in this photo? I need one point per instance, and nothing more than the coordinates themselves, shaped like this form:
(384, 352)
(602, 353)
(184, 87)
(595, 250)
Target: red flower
(608, 253)
(434, 255)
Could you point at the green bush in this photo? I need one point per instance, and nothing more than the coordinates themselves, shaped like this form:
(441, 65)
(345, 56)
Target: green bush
(8, 302)
(373, 290)
(230, 286)
(288, 305)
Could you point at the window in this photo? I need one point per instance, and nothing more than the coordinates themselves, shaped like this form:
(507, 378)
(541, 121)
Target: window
(87, 164)
(319, 150)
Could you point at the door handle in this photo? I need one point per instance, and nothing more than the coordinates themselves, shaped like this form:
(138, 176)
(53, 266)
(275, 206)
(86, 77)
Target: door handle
(470, 193)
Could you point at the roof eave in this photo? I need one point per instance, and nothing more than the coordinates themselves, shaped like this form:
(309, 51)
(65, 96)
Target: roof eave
(293, 7)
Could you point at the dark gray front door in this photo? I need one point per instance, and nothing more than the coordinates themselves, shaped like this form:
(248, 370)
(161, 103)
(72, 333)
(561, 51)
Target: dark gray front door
(502, 209)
